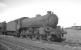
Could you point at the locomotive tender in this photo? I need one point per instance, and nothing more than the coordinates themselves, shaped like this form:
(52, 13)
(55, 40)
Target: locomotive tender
(40, 27)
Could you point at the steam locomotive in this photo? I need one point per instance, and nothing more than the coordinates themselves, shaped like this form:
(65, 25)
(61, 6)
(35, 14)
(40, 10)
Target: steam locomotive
(39, 27)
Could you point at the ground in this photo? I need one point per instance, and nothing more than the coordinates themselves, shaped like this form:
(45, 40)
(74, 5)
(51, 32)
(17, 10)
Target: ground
(72, 42)
(2, 47)
(73, 35)
(13, 43)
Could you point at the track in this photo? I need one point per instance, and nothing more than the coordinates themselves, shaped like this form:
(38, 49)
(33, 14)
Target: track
(15, 45)
(11, 46)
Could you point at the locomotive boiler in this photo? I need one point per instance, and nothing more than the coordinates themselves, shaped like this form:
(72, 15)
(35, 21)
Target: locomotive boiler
(39, 27)
(49, 19)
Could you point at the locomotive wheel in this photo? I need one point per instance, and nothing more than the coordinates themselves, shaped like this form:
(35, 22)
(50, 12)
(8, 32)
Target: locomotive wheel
(42, 37)
(37, 36)
(53, 38)
(48, 38)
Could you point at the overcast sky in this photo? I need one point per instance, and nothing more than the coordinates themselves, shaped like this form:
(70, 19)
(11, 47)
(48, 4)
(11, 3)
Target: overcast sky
(68, 11)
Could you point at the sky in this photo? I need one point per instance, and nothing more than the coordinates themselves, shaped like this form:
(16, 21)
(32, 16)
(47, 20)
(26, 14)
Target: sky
(68, 11)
